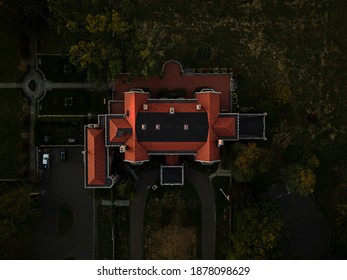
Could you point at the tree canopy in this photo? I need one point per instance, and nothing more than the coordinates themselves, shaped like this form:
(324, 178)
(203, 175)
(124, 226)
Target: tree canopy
(259, 233)
(250, 161)
(15, 213)
(110, 40)
(299, 179)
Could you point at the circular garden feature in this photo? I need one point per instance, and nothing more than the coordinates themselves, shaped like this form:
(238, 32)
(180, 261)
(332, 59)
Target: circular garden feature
(32, 85)
(66, 221)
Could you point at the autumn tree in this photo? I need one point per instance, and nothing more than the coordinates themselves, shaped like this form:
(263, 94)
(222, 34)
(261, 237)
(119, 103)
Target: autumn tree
(282, 94)
(110, 40)
(250, 161)
(100, 54)
(126, 189)
(299, 179)
(15, 213)
(259, 233)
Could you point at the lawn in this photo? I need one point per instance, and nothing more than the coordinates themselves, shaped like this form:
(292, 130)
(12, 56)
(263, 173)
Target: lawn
(14, 125)
(172, 223)
(10, 60)
(74, 102)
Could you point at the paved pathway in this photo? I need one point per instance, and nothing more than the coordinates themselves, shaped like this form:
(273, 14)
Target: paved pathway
(84, 85)
(11, 85)
(220, 172)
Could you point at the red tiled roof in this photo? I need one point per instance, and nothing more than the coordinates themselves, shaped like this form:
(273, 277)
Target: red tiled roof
(210, 101)
(116, 107)
(225, 126)
(209, 151)
(96, 156)
(172, 79)
(134, 151)
(171, 146)
(133, 102)
(165, 107)
(114, 125)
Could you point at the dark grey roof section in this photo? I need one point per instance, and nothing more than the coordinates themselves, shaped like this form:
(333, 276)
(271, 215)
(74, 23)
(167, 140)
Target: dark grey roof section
(172, 127)
(101, 120)
(252, 126)
(171, 175)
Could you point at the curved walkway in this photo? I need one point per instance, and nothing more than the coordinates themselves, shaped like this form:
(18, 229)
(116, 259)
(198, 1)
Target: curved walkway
(205, 191)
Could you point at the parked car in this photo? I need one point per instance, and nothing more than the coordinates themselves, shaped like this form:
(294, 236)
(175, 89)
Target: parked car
(45, 161)
(62, 154)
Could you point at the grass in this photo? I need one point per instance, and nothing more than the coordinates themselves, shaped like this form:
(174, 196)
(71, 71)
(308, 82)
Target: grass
(74, 102)
(66, 221)
(13, 144)
(10, 60)
(223, 212)
(172, 223)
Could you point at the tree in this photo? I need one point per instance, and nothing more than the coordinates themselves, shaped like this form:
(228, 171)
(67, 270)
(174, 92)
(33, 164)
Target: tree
(259, 233)
(110, 41)
(299, 179)
(15, 213)
(282, 94)
(250, 161)
(126, 189)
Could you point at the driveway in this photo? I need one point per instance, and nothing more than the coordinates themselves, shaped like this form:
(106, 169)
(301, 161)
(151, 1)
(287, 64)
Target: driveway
(310, 233)
(63, 185)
